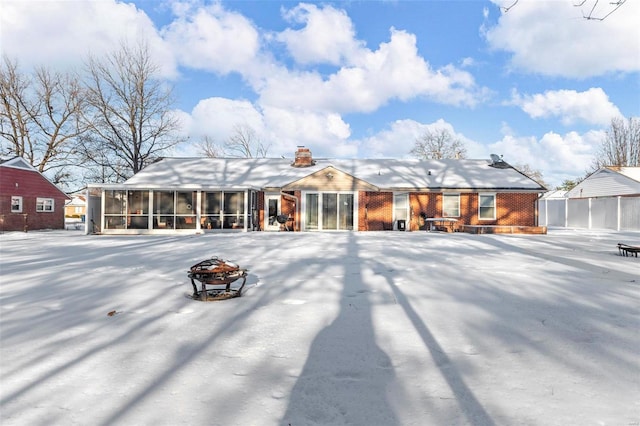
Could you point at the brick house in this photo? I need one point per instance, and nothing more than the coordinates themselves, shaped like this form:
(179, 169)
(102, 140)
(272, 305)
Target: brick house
(307, 194)
(28, 200)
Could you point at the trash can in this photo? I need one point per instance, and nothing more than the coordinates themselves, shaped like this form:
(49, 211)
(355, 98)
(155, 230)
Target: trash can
(401, 225)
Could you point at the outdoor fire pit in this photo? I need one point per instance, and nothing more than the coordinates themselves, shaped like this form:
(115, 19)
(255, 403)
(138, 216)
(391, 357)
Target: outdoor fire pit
(218, 274)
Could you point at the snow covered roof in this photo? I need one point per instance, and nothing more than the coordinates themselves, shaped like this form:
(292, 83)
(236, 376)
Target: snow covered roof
(385, 174)
(77, 201)
(608, 182)
(17, 163)
(630, 172)
(558, 193)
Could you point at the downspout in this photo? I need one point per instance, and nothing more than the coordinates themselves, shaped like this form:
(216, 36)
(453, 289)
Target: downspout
(295, 201)
(87, 221)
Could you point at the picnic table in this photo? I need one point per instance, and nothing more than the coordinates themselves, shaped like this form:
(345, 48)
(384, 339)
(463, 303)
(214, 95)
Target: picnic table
(436, 223)
(627, 250)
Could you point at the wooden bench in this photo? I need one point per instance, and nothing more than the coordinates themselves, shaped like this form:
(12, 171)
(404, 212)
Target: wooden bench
(627, 250)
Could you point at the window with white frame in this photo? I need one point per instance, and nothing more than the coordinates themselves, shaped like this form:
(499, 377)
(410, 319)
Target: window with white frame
(486, 206)
(44, 204)
(451, 205)
(16, 204)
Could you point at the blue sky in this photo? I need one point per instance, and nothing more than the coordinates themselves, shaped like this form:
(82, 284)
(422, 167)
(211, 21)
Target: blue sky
(538, 84)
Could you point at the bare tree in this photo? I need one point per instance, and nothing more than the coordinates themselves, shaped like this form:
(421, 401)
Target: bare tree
(130, 117)
(621, 145)
(39, 117)
(532, 173)
(245, 143)
(438, 144)
(207, 147)
(591, 13)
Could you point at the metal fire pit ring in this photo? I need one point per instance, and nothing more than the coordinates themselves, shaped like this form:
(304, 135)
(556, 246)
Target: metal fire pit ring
(216, 272)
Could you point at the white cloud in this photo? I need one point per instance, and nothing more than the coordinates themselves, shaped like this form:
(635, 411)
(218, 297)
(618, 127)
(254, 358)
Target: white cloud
(467, 62)
(212, 38)
(592, 106)
(552, 38)
(394, 142)
(558, 157)
(217, 118)
(278, 128)
(326, 134)
(61, 34)
(398, 140)
(372, 78)
(328, 35)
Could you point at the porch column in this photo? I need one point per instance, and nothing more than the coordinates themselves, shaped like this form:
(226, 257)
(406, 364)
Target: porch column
(245, 219)
(198, 212)
(619, 213)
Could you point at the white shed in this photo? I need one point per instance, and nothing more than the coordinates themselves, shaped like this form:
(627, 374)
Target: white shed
(609, 182)
(607, 199)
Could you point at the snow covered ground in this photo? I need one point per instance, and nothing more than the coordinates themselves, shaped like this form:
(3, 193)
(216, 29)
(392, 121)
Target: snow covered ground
(378, 328)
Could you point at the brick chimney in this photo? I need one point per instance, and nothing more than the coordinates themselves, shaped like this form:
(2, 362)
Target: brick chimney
(303, 158)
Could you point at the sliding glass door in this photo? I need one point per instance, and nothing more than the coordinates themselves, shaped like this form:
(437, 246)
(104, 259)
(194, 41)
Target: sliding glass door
(329, 211)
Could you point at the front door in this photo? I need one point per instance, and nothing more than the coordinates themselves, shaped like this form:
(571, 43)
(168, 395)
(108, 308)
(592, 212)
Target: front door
(272, 210)
(401, 211)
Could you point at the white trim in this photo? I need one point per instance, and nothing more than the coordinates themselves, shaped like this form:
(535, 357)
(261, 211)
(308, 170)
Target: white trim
(20, 203)
(488, 194)
(407, 218)
(450, 194)
(271, 196)
(43, 201)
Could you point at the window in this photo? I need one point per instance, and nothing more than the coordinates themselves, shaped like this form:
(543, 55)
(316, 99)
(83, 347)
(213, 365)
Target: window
(163, 209)
(451, 205)
(115, 209)
(16, 204)
(138, 202)
(115, 202)
(487, 206)
(44, 204)
(186, 210)
(233, 210)
(312, 211)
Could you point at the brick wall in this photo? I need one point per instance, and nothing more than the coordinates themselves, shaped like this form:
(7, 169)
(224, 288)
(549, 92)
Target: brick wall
(511, 209)
(424, 204)
(517, 209)
(375, 211)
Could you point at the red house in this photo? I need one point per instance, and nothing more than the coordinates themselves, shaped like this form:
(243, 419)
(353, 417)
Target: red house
(28, 200)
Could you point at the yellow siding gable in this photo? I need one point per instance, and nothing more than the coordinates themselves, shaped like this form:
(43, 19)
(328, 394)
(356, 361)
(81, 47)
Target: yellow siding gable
(330, 179)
